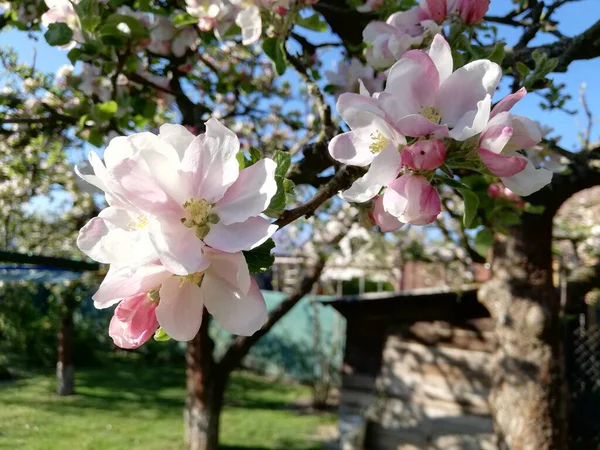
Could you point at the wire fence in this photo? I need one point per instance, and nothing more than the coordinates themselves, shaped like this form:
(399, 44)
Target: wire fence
(583, 371)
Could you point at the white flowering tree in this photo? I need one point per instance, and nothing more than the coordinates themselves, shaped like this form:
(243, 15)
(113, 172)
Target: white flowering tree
(209, 150)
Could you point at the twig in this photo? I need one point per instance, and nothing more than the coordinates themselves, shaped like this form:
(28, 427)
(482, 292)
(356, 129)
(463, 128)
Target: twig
(589, 117)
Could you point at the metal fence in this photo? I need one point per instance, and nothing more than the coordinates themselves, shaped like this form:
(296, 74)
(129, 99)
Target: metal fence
(583, 372)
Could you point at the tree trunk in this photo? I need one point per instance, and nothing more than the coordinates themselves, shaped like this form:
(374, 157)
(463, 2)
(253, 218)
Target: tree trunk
(65, 370)
(205, 391)
(528, 397)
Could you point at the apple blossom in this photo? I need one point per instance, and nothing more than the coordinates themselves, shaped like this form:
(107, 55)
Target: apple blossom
(436, 10)
(412, 199)
(348, 76)
(402, 31)
(370, 5)
(424, 155)
(63, 11)
(176, 194)
(225, 288)
(93, 83)
(383, 219)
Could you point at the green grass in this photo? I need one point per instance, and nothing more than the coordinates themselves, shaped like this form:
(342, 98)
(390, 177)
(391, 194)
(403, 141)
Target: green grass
(132, 407)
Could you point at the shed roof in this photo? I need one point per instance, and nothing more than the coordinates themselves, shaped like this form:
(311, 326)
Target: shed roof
(439, 303)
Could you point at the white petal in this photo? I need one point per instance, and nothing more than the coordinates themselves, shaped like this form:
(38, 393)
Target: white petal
(529, 180)
(180, 309)
(210, 162)
(441, 55)
(250, 195)
(473, 122)
(236, 313)
(248, 19)
(383, 170)
(232, 267)
(123, 282)
(240, 236)
(178, 136)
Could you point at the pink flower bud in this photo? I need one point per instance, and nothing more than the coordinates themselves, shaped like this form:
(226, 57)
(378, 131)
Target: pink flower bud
(134, 321)
(435, 10)
(424, 155)
(383, 219)
(470, 11)
(494, 190)
(412, 199)
(280, 10)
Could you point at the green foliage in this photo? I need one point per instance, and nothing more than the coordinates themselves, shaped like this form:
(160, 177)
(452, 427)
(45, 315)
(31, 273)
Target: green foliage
(483, 241)
(58, 34)
(260, 259)
(275, 49)
(471, 201)
(284, 186)
(184, 19)
(313, 22)
(105, 111)
(161, 335)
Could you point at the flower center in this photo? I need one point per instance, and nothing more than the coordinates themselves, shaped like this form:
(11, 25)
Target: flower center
(433, 114)
(199, 217)
(378, 142)
(139, 223)
(194, 278)
(154, 296)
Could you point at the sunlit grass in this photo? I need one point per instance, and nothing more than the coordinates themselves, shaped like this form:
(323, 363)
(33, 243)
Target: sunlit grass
(132, 407)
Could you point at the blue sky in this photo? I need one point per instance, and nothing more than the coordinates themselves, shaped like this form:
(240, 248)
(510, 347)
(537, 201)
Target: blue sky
(574, 17)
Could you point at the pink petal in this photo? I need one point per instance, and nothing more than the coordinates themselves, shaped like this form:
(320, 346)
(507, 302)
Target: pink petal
(529, 180)
(435, 9)
(423, 201)
(352, 148)
(178, 136)
(424, 155)
(375, 29)
(416, 125)
(134, 322)
(508, 102)
(123, 282)
(180, 309)
(384, 220)
(465, 88)
(236, 313)
(250, 195)
(178, 247)
(497, 133)
(500, 165)
(210, 162)
(413, 82)
(240, 236)
(526, 133)
(394, 200)
(473, 122)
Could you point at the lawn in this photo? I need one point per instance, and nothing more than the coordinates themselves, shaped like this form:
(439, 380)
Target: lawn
(125, 407)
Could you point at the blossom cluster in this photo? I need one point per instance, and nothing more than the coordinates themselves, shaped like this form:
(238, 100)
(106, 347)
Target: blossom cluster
(404, 30)
(180, 213)
(429, 116)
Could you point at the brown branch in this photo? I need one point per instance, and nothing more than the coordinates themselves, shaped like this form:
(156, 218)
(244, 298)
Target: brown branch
(242, 344)
(341, 180)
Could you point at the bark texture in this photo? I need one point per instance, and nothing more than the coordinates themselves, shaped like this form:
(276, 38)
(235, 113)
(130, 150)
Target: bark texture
(528, 397)
(65, 370)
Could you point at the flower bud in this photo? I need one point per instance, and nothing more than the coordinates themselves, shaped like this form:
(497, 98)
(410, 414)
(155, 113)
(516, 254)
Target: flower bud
(424, 155)
(435, 10)
(470, 11)
(134, 321)
(412, 199)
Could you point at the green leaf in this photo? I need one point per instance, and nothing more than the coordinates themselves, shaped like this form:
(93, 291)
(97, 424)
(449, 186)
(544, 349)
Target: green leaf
(483, 241)
(161, 335)
(471, 202)
(74, 55)
(523, 70)
(119, 28)
(184, 19)
(275, 50)
(255, 156)
(260, 259)
(534, 209)
(58, 34)
(283, 163)
(497, 54)
(278, 201)
(313, 22)
(106, 110)
(96, 138)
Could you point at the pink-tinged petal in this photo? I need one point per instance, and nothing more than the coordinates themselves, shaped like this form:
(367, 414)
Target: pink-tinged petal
(529, 180)
(231, 267)
(353, 147)
(497, 133)
(384, 220)
(384, 169)
(395, 201)
(119, 148)
(441, 55)
(423, 201)
(375, 29)
(149, 143)
(465, 88)
(134, 322)
(408, 21)
(416, 125)
(473, 122)
(178, 247)
(501, 165)
(240, 236)
(526, 133)
(178, 136)
(123, 282)
(435, 9)
(424, 155)
(236, 313)
(250, 195)
(210, 162)
(470, 11)
(359, 111)
(142, 190)
(508, 102)
(180, 309)
(413, 82)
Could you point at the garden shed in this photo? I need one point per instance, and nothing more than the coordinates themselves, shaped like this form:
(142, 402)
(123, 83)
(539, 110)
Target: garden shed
(417, 369)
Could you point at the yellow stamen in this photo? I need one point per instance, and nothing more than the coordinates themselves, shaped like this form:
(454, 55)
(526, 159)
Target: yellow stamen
(194, 278)
(433, 114)
(139, 223)
(379, 142)
(199, 216)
